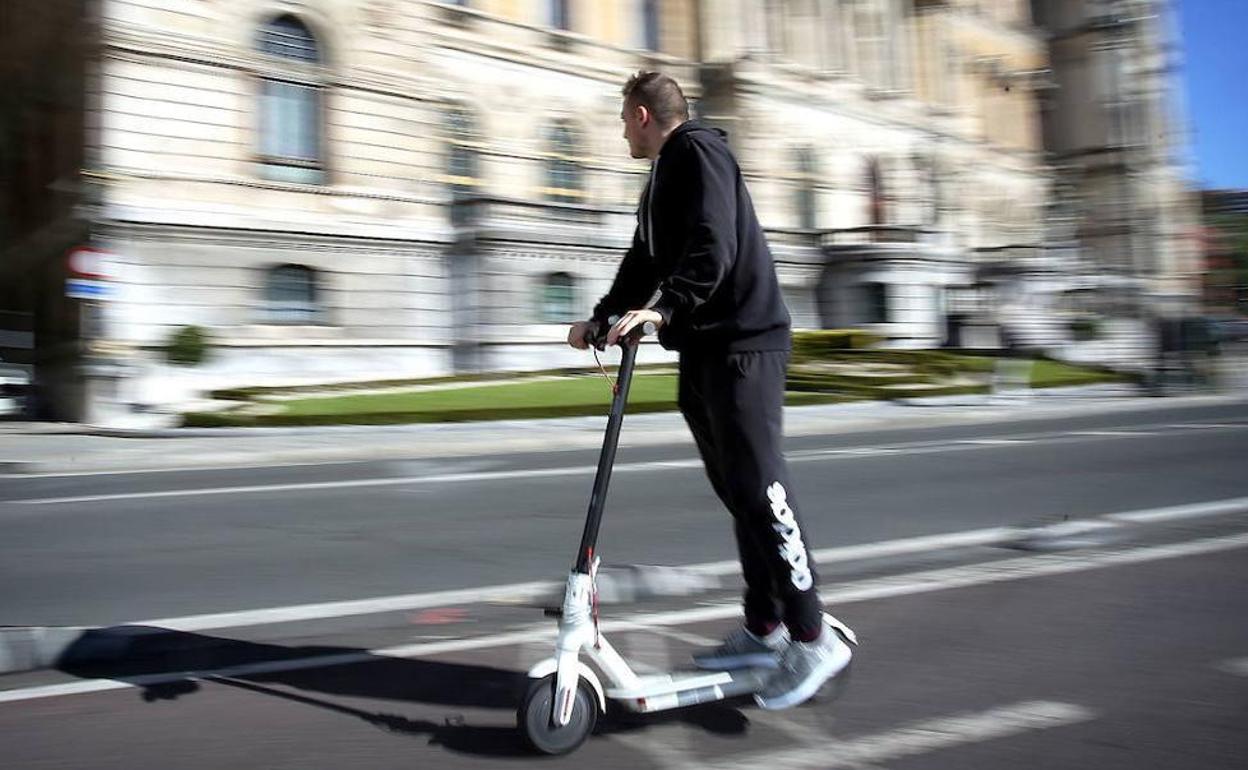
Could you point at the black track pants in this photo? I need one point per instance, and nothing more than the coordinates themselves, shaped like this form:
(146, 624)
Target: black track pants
(733, 404)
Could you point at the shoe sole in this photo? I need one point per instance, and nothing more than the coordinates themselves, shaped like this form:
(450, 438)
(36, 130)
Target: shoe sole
(811, 684)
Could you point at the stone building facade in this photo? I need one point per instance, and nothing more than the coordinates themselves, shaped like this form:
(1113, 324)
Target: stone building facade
(360, 189)
(1117, 140)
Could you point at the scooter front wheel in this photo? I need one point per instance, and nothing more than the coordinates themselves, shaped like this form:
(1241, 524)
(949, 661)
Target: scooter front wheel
(534, 717)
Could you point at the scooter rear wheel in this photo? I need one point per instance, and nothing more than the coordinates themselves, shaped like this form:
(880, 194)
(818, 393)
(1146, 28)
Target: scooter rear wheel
(534, 717)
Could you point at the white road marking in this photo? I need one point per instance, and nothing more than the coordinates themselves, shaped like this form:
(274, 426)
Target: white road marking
(899, 547)
(866, 451)
(522, 592)
(1239, 666)
(799, 732)
(872, 589)
(917, 738)
(444, 478)
(646, 651)
(911, 447)
(256, 466)
(697, 640)
(1175, 512)
(70, 688)
(809, 455)
(460, 596)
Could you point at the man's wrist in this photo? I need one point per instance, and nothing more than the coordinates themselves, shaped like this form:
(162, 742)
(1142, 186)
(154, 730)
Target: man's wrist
(663, 309)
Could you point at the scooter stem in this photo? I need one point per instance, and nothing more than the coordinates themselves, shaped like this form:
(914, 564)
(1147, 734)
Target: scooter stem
(606, 459)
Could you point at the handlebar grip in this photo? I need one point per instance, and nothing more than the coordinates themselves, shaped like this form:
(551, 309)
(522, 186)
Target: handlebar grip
(597, 335)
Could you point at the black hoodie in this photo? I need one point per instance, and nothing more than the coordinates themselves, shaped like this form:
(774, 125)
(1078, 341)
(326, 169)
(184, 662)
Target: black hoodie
(698, 242)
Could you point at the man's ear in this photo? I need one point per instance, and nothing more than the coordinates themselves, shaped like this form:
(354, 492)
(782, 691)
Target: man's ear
(643, 115)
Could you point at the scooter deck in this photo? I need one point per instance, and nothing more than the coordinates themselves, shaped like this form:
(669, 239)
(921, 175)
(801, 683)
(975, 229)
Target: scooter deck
(656, 692)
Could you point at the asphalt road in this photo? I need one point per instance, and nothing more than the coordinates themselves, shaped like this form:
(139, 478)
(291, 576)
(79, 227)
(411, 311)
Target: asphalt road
(1131, 657)
(1121, 645)
(104, 549)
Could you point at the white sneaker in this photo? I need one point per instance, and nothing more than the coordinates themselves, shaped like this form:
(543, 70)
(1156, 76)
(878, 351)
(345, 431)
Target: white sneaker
(805, 666)
(743, 649)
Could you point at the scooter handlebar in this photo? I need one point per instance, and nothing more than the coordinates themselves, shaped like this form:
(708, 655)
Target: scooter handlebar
(597, 335)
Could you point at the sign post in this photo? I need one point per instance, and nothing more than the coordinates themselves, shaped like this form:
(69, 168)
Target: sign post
(89, 277)
(89, 280)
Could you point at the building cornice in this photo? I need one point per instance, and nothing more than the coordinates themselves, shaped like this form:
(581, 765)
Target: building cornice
(259, 237)
(757, 81)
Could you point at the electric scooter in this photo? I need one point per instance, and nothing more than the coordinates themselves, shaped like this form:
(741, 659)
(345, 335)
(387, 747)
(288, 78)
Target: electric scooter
(565, 695)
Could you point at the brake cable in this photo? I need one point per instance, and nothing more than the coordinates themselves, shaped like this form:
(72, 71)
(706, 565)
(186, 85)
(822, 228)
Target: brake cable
(614, 384)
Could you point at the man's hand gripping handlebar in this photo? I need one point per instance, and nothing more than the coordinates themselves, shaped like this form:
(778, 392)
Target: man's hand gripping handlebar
(632, 326)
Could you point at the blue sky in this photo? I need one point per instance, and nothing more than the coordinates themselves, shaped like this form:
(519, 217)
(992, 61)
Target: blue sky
(1215, 78)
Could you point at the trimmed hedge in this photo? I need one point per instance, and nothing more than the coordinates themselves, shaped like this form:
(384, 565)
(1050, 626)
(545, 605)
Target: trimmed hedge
(811, 344)
(188, 346)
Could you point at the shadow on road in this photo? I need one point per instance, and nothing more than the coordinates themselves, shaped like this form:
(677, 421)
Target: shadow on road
(167, 665)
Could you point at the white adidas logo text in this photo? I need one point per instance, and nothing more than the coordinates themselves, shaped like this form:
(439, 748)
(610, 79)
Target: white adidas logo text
(793, 549)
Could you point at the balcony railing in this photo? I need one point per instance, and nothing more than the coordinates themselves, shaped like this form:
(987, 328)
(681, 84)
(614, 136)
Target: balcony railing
(539, 220)
(874, 234)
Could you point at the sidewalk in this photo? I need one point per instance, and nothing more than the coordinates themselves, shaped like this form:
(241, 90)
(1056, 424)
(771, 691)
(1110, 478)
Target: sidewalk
(28, 448)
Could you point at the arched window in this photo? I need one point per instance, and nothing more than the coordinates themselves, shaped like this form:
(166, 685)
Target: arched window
(563, 168)
(805, 200)
(290, 102)
(650, 25)
(559, 298)
(290, 295)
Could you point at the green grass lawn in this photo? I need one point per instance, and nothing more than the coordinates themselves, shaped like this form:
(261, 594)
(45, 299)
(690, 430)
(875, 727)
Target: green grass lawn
(568, 392)
(583, 395)
(1049, 374)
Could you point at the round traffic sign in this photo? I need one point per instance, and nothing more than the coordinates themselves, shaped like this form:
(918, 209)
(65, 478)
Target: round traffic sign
(86, 261)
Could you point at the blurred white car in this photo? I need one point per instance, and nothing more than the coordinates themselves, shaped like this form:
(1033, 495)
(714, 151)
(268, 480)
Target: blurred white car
(15, 382)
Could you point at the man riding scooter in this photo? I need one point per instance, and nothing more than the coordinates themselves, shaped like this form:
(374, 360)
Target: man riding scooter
(700, 271)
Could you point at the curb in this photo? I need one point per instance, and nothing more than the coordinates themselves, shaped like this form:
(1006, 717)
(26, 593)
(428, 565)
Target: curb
(441, 440)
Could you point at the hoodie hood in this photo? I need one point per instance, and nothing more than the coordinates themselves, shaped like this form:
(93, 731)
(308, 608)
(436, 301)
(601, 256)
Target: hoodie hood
(696, 127)
(699, 256)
